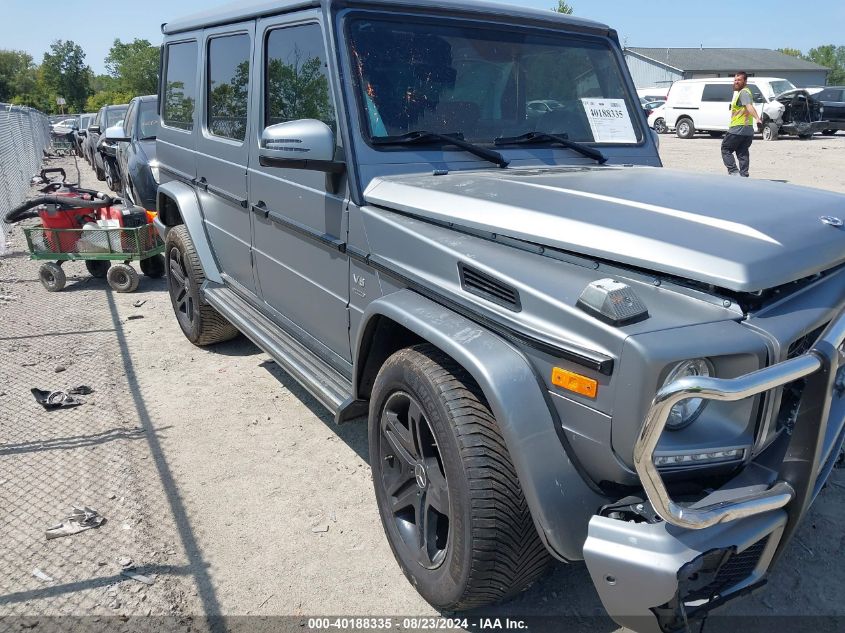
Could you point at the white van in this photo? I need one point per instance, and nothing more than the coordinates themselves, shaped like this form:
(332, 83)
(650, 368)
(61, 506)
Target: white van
(703, 105)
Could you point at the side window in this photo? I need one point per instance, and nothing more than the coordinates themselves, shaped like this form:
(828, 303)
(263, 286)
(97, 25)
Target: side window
(180, 85)
(830, 94)
(296, 80)
(756, 94)
(720, 93)
(228, 85)
(129, 121)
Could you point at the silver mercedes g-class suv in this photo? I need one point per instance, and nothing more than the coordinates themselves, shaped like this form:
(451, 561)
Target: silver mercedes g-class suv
(563, 350)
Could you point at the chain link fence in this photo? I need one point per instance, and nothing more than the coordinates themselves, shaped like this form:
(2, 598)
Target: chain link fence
(24, 134)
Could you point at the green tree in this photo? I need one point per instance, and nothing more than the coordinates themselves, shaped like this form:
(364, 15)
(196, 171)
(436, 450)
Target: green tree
(563, 7)
(832, 57)
(65, 74)
(18, 75)
(792, 52)
(106, 97)
(134, 65)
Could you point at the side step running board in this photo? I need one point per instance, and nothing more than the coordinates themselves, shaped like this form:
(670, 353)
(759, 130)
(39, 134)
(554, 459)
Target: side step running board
(321, 380)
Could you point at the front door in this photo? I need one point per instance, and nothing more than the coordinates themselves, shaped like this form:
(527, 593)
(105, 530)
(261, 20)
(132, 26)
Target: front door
(301, 269)
(222, 149)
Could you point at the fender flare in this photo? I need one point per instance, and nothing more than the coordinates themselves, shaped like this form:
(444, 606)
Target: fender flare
(561, 503)
(186, 200)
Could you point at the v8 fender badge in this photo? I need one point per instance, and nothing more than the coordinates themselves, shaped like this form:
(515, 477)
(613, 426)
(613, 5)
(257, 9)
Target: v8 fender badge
(831, 221)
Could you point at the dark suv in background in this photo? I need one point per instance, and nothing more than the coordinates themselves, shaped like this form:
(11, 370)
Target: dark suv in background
(107, 116)
(833, 101)
(81, 132)
(136, 152)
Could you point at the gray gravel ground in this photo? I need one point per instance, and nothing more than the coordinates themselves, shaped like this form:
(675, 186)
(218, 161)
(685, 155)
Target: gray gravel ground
(227, 483)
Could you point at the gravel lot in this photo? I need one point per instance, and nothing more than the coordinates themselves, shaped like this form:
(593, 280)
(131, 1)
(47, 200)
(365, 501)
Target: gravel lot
(227, 483)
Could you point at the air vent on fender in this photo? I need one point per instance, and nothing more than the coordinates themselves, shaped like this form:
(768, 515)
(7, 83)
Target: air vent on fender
(488, 287)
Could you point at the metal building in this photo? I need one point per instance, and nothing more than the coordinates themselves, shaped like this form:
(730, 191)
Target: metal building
(661, 66)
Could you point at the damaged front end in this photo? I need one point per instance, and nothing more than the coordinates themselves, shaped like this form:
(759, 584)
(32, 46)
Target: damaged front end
(663, 562)
(797, 113)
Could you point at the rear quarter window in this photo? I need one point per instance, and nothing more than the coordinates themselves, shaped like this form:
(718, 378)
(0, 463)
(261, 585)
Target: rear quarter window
(720, 93)
(180, 85)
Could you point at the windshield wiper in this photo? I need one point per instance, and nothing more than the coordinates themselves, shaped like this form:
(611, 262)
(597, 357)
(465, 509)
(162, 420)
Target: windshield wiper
(559, 139)
(422, 137)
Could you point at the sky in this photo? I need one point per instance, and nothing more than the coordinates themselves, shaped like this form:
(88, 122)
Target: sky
(32, 25)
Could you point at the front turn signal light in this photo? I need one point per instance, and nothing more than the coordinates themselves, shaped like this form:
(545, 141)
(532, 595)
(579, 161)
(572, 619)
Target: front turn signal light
(575, 383)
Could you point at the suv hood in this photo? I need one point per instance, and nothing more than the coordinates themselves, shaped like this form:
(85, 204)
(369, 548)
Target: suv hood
(740, 234)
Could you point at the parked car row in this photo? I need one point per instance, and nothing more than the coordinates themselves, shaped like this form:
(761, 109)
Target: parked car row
(701, 105)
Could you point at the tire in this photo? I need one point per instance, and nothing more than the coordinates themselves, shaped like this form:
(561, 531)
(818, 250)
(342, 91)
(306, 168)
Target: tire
(201, 324)
(828, 132)
(153, 267)
(128, 194)
(660, 125)
(716, 134)
(111, 175)
(123, 278)
(52, 277)
(805, 137)
(684, 128)
(770, 131)
(481, 545)
(101, 175)
(98, 268)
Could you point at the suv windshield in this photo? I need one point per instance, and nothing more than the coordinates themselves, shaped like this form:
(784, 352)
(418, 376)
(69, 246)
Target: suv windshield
(781, 86)
(115, 115)
(488, 83)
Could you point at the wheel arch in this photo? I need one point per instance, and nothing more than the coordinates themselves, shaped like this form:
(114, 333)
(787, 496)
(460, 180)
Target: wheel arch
(178, 204)
(561, 503)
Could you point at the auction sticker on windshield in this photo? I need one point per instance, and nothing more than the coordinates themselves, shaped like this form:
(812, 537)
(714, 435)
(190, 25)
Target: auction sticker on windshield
(609, 121)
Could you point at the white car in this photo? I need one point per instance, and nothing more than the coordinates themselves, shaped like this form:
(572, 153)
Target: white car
(703, 105)
(65, 127)
(656, 120)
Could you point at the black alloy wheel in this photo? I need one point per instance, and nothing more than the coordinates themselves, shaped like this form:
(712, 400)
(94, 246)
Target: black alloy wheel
(413, 479)
(179, 284)
(448, 495)
(201, 324)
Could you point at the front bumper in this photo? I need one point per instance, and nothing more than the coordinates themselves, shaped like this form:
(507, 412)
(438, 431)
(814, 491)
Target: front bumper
(802, 128)
(656, 576)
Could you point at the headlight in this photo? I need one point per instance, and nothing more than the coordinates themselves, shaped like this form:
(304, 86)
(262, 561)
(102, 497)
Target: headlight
(154, 165)
(685, 412)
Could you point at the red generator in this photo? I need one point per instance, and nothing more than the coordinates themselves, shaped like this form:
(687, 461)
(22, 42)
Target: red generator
(126, 217)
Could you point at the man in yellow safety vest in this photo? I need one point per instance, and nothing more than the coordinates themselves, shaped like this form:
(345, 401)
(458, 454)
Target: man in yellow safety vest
(741, 132)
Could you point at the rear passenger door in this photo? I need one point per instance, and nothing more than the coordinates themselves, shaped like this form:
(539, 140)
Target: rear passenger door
(715, 111)
(300, 225)
(176, 140)
(222, 149)
(123, 148)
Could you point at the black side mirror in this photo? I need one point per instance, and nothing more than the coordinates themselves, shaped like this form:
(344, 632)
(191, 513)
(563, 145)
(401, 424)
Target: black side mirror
(94, 129)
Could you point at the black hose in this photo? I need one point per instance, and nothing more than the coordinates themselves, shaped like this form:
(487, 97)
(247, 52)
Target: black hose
(19, 213)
